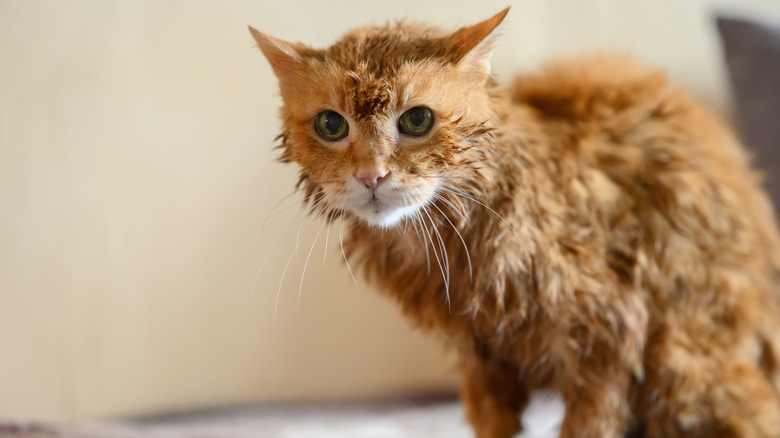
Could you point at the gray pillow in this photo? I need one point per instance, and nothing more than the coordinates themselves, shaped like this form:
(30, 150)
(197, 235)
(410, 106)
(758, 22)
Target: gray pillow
(752, 51)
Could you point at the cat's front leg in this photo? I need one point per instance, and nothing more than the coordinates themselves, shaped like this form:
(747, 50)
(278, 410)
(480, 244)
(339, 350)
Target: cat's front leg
(494, 397)
(596, 395)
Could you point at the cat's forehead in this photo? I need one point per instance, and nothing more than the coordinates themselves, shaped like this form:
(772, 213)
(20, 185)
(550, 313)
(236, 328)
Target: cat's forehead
(368, 61)
(381, 50)
(368, 95)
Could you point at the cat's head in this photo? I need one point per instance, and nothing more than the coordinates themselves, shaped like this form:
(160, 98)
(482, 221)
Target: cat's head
(385, 120)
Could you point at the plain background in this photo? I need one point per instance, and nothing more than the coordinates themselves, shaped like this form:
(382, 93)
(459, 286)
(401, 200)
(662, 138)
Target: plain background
(138, 272)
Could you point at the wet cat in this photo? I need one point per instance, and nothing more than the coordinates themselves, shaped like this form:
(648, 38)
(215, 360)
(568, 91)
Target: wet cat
(589, 228)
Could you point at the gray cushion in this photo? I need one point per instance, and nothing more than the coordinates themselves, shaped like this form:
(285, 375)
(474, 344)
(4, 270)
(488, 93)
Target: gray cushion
(752, 51)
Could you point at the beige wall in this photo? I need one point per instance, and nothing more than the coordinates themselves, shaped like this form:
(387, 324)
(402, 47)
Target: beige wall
(136, 163)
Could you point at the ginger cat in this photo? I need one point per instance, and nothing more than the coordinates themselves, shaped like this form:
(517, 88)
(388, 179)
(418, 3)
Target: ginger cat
(590, 228)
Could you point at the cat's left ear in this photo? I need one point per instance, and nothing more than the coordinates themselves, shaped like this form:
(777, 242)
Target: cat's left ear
(472, 46)
(283, 56)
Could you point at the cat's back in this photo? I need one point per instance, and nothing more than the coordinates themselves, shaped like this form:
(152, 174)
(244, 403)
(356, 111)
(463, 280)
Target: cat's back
(621, 104)
(611, 114)
(654, 169)
(589, 88)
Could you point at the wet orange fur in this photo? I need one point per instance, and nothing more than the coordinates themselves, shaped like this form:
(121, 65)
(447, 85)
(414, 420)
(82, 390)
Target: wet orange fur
(634, 265)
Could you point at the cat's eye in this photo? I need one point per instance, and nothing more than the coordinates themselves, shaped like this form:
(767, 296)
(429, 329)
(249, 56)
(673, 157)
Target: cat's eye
(331, 126)
(416, 121)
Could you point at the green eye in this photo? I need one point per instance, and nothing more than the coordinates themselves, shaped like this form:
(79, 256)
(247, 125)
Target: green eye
(417, 121)
(331, 126)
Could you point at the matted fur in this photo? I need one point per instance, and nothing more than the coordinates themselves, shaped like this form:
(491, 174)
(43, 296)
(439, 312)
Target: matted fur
(619, 248)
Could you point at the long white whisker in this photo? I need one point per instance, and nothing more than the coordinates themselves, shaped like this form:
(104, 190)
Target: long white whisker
(298, 238)
(341, 242)
(424, 240)
(295, 220)
(442, 247)
(242, 235)
(269, 215)
(301, 216)
(279, 290)
(436, 254)
(466, 248)
(490, 209)
(257, 274)
(303, 274)
(413, 221)
(319, 202)
(451, 206)
(327, 236)
(444, 259)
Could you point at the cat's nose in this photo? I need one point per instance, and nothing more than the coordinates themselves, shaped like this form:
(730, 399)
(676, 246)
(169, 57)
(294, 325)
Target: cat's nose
(371, 176)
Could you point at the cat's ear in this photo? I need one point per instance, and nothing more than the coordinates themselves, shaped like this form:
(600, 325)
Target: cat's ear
(283, 56)
(472, 46)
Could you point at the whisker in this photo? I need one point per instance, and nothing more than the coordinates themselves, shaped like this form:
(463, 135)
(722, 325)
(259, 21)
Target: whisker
(297, 220)
(444, 257)
(242, 235)
(298, 238)
(423, 240)
(455, 210)
(465, 247)
(303, 274)
(442, 247)
(341, 242)
(319, 202)
(279, 290)
(484, 205)
(327, 236)
(436, 255)
(257, 274)
(269, 215)
(301, 216)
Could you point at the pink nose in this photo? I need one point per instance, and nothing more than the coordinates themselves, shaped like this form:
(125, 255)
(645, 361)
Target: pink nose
(372, 176)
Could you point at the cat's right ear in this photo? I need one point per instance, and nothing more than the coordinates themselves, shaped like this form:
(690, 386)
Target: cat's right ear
(283, 56)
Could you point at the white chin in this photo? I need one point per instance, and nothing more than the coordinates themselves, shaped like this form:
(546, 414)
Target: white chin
(385, 217)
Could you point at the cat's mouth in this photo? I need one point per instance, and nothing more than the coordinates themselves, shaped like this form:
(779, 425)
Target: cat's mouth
(383, 212)
(388, 205)
(376, 206)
